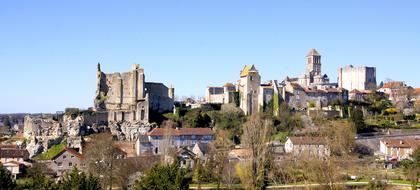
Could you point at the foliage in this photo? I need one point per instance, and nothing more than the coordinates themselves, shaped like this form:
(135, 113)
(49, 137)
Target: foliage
(196, 118)
(101, 155)
(37, 178)
(218, 162)
(229, 118)
(102, 99)
(77, 180)
(358, 120)
(198, 176)
(412, 168)
(287, 121)
(165, 177)
(236, 97)
(52, 152)
(6, 122)
(311, 104)
(376, 185)
(6, 181)
(379, 106)
(335, 102)
(390, 111)
(72, 112)
(276, 103)
(256, 137)
(340, 136)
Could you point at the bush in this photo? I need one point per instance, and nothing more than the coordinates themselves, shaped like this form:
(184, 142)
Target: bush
(6, 181)
(390, 111)
(170, 177)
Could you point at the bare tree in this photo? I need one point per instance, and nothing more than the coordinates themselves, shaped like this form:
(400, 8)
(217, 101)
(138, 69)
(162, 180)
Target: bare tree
(256, 137)
(101, 156)
(167, 150)
(222, 146)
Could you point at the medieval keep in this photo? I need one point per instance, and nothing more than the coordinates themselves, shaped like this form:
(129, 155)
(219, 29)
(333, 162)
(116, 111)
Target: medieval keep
(128, 97)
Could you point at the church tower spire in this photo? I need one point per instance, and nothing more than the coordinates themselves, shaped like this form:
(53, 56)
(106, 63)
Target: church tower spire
(313, 62)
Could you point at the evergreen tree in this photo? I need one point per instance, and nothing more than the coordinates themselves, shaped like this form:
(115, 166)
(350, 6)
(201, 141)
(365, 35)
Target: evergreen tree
(6, 181)
(165, 177)
(77, 180)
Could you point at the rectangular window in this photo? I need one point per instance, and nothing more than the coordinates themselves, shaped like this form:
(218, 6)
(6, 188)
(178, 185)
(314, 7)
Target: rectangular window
(59, 164)
(70, 164)
(64, 156)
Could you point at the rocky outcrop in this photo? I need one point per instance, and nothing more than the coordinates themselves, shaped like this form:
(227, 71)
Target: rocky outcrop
(129, 131)
(41, 125)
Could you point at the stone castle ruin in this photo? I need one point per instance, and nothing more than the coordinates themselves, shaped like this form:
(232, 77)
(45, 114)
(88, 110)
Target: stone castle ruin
(123, 105)
(128, 97)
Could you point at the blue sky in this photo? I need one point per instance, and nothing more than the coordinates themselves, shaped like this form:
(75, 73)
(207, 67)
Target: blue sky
(49, 49)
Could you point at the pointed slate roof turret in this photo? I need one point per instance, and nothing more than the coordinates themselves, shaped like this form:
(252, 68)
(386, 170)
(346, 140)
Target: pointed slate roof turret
(245, 71)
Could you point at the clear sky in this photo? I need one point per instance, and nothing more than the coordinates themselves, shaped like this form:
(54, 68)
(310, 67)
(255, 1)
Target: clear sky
(49, 49)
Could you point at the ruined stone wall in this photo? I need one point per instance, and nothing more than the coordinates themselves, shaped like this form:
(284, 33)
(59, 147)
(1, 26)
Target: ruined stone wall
(159, 99)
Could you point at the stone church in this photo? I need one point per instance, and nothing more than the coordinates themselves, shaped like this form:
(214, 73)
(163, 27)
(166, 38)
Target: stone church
(128, 97)
(313, 75)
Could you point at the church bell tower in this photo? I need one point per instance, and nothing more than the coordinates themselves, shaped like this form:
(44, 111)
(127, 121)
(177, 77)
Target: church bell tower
(313, 63)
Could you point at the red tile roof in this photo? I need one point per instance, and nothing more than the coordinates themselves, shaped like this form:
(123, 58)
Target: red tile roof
(399, 143)
(8, 146)
(71, 151)
(181, 131)
(14, 153)
(393, 84)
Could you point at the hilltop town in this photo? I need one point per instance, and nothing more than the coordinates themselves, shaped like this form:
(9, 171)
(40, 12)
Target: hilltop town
(252, 134)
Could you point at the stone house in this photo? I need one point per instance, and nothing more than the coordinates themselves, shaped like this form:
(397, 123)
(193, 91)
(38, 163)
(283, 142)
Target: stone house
(310, 147)
(64, 162)
(398, 149)
(13, 159)
(298, 97)
(239, 154)
(159, 139)
(202, 151)
(220, 95)
(397, 92)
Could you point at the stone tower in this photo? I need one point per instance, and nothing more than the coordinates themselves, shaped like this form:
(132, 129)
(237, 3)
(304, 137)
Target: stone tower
(249, 86)
(313, 63)
(171, 92)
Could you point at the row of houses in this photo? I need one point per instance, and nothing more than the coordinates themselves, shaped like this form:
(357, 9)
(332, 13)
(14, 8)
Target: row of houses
(398, 149)
(190, 144)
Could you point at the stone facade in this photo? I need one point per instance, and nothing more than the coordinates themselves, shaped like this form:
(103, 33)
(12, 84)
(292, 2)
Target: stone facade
(220, 95)
(249, 89)
(65, 161)
(127, 97)
(310, 147)
(357, 78)
(251, 94)
(158, 139)
(298, 97)
(399, 149)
